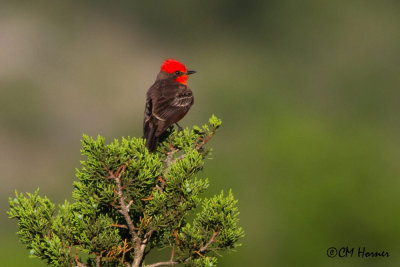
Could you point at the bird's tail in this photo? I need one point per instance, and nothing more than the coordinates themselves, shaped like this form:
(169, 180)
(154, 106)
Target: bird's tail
(150, 135)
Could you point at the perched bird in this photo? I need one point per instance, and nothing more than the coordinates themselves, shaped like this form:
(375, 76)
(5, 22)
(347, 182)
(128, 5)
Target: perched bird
(167, 101)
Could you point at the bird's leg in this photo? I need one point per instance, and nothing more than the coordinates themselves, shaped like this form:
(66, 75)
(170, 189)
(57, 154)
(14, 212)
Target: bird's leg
(180, 129)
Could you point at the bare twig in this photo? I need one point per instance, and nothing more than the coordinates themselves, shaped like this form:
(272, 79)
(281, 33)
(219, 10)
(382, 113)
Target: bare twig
(129, 204)
(119, 225)
(124, 251)
(163, 263)
(172, 254)
(149, 198)
(146, 239)
(205, 141)
(198, 252)
(124, 208)
(212, 240)
(159, 188)
(147, 236)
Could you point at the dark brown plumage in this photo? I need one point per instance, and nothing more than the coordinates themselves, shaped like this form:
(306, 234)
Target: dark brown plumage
(168, 100)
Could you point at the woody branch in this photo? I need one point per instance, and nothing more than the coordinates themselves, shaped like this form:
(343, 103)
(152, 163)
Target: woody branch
(201, 250)
(139, 243)
(124, 208)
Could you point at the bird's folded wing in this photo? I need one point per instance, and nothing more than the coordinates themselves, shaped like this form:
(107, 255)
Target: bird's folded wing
(183, 100)
(166, 108)
(147, 111)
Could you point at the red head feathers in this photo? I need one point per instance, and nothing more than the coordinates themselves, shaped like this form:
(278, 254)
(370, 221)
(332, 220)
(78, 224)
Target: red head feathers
(171, 65)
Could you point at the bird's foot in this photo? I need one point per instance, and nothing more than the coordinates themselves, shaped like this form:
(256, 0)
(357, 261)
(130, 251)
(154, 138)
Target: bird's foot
(180, 129)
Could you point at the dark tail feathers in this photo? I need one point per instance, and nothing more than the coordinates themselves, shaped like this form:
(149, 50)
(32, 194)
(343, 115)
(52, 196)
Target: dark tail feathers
(150, 135)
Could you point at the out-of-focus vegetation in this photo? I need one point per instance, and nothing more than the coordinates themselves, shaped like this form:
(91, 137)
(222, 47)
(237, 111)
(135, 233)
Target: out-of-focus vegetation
(308, 92)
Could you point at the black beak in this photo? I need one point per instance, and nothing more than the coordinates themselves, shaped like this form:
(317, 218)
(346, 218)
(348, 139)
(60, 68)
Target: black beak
(190, 72)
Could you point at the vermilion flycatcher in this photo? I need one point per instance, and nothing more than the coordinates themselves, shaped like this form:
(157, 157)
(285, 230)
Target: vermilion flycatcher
(168, 101)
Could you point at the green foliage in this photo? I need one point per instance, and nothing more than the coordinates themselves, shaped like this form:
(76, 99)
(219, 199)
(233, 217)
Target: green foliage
(128, 201)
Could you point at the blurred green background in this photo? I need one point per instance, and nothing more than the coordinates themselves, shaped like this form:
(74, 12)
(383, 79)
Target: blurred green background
(308, 92)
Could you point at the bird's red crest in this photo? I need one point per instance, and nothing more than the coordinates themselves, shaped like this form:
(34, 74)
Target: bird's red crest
(171, 65)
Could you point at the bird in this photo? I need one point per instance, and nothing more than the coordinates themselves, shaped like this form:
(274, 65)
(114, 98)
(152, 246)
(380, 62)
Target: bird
(167, 101)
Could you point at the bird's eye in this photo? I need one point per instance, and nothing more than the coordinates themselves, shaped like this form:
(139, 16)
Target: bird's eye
(178, 72)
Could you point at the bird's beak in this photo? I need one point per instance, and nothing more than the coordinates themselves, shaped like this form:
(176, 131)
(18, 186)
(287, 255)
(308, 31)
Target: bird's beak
(190, 72)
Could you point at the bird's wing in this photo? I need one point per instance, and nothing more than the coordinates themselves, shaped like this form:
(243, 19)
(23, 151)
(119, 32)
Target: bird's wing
(183, 99)
(147, 111)
(173, 108)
